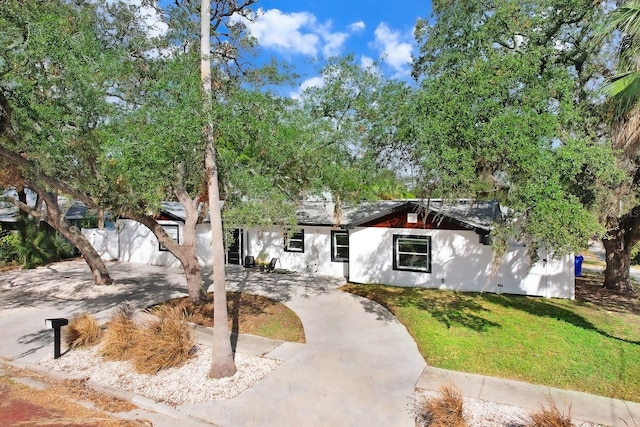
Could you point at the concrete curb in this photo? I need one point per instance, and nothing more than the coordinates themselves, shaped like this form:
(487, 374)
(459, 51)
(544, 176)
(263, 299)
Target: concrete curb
(585, 407)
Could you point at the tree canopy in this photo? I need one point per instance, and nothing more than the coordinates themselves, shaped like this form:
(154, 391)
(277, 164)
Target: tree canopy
(507, 108)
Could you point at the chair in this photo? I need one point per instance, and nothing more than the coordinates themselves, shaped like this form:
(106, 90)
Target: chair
(272, 266)
(249, 262)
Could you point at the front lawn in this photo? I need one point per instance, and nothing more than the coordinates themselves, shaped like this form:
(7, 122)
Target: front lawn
(577, 345)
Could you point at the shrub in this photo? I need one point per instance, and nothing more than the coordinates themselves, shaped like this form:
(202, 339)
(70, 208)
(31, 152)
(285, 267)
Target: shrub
(83, 330)
(9, 247)
(445, 409)
(551, 417)
(120, 335)
(38, 244)
(163, 343)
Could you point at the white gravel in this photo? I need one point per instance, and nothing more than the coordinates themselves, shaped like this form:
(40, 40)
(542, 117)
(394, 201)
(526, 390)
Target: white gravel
(188, 383)
(492, 414)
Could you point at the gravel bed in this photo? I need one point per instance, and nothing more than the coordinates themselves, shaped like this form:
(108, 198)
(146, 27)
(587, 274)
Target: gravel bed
(188, 383)
(491, 414)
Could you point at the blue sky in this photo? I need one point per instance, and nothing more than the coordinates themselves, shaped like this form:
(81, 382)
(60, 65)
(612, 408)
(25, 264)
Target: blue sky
(300, 31)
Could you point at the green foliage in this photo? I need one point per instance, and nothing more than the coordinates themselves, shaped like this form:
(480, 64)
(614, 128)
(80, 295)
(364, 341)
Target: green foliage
(624, 86)
(89, 221)
(53, 75)
(503, 113)
(9, 244)
(40, 245)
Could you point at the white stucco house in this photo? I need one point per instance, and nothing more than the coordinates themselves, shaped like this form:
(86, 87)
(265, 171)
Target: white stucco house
(400, 242)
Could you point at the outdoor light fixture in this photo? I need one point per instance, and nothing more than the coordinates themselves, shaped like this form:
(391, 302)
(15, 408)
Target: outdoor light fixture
(56, 324)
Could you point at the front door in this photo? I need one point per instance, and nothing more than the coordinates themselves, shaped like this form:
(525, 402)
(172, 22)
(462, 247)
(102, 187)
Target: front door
(234, 250)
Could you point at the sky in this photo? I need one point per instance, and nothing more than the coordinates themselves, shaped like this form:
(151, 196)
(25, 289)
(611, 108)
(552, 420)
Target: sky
(300, 31)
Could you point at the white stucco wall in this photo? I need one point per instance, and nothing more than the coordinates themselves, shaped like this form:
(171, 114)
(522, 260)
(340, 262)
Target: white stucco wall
(203, 245)
(138, 244)
(459, 262)
(269, 243)
(105, 242)
(552, 277)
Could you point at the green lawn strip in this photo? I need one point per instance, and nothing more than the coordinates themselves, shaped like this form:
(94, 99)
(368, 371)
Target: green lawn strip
(286, 326)
(559, 343)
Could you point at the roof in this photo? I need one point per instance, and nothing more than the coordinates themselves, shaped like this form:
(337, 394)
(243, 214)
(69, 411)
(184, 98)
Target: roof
(73, 209)
(474, 213)
(477, 214)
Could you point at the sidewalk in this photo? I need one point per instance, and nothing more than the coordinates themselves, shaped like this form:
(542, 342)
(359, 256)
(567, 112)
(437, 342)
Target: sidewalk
(583, 406)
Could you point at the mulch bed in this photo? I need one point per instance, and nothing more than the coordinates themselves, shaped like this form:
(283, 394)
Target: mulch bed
(589, 290)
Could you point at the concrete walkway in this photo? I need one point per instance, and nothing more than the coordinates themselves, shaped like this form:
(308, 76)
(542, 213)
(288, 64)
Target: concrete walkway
(358, 367)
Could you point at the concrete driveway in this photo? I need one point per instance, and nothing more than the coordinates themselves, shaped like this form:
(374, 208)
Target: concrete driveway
(358, 367)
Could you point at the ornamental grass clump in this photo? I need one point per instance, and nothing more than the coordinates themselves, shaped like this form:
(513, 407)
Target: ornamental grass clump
(120, 335)
(83, 330)
(550, 417)
(163, 343)
(445, 409)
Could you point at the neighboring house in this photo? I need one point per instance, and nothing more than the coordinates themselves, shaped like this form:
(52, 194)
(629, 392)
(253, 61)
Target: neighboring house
(400, 242)
(75, 212)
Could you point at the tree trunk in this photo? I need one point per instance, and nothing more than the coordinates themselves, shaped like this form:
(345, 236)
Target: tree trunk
(92, 258)
(189, 259)
(222, 364)
(616, 273)
(186, 253)
(100, 219)
(88, 252)
(622, 236)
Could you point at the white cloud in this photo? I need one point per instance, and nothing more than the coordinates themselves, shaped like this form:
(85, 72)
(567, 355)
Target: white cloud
(312, 82)
(333, 41)
(366, 62)
(297, 32)
(395, 51)
(357, 27)
(284, 32)
(150, 19)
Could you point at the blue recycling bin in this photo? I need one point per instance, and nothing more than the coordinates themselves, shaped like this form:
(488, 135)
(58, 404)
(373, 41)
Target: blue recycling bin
(578, 265)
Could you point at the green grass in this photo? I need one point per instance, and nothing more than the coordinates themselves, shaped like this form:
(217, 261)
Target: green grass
(559, 343)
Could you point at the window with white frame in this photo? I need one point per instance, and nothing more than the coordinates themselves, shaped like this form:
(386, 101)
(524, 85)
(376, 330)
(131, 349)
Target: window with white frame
(339, 246)
(173, 231)
(412, 253)
(294, 241)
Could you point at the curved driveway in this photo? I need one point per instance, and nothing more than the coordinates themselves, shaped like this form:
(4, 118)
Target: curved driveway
(358, 367)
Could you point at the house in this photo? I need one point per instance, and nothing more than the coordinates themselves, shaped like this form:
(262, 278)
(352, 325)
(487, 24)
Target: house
(400, 242)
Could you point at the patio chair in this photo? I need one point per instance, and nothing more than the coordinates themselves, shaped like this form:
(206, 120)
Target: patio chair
(271, 266)
(249, 262)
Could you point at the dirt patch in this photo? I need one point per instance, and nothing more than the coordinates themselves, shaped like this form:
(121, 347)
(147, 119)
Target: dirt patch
(248, 314)
(589, 290)
(56, 404)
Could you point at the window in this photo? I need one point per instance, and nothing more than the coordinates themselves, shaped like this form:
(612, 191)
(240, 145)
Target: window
(172, 231)
(339, 246)
(412, 253)
(294, 241)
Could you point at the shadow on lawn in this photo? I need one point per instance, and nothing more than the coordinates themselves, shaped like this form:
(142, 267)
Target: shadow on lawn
(452, 309)
(456, 309)
(543, 308)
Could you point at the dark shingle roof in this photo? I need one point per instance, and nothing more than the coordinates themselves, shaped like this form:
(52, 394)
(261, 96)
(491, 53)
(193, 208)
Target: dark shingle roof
(477, 214)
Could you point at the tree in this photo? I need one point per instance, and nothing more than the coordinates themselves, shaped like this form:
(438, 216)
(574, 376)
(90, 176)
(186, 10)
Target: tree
(506, 110)
(49, 80)
(222, 364)
(623, 89)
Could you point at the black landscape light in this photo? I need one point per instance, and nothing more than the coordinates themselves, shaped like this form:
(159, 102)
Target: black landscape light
(56, 324)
